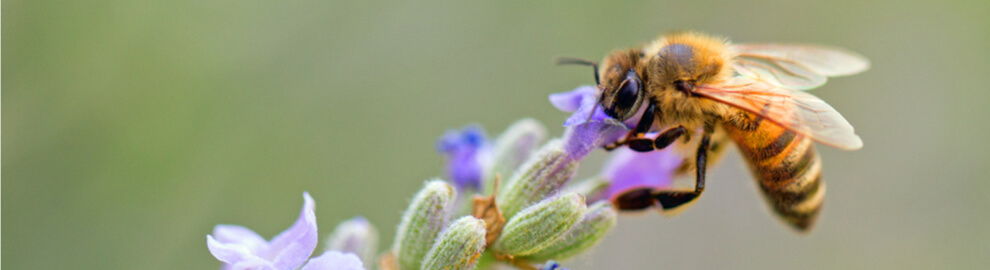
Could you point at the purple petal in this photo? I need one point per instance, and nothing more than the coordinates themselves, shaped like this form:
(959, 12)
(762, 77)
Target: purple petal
(241, 236)
(627, 169)
(580, 140)
(589, 127)
(587, 110)
(466, 151)
(333, 260)
(235, 256)
(571, 101)
(292, 247)
(250, 265)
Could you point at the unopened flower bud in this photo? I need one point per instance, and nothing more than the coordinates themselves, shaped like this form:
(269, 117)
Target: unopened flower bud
(541, 176)
(594, 225)
(421, 223)
(357, 236)
(513, 147)
(458, 247)
(541, 224)
(594, 189)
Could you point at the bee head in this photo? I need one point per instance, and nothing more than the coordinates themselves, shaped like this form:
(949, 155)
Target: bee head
(621, 98)
(621, 86)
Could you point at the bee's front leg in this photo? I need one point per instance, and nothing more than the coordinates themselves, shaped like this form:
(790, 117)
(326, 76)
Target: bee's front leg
(636, 138)
(668, 137)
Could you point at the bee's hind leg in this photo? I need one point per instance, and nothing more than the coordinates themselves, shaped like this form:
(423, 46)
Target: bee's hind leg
(636, 138)
(671, 200)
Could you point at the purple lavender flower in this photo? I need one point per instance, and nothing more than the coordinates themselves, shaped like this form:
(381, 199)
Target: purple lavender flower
(626, 169)
(466, 152)
(334, 260)
(241, 248)
(588, 127)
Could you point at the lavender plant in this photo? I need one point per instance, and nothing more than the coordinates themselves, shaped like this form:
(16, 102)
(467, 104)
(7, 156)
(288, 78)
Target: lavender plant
(473, 220)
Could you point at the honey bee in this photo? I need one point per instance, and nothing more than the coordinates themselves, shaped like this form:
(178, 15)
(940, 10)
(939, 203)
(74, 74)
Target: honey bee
(703, 87)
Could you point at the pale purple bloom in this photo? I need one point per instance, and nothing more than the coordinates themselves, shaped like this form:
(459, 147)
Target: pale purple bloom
(334, 260)
(626, 169)
(466, 151)
(241, 248)
(585, 133)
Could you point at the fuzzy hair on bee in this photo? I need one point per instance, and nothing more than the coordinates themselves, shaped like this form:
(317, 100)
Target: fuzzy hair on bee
(702, 92)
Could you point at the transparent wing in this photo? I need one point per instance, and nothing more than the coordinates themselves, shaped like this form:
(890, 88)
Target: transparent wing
(796, 66)
(796, 111)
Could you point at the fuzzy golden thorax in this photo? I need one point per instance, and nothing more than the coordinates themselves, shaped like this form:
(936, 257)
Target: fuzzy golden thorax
(688, 59)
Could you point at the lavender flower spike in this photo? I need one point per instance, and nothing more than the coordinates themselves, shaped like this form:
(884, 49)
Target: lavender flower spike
(467, 151)
(241, 248)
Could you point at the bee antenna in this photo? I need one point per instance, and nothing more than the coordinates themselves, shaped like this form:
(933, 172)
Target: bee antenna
(580, 61)
(592, 113)
(598, 102)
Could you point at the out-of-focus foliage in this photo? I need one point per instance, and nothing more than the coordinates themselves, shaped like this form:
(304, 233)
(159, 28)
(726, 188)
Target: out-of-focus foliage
(131, 128)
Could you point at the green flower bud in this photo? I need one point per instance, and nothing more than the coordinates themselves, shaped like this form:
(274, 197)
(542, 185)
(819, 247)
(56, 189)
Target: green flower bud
(421, 223)
(458, 247)
(357, 236)
(595, 224)
(541, 176)
(540, 225)
(593, 189)
(513, 147)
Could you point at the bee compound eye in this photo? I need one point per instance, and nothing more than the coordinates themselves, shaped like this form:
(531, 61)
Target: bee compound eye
(626, 97)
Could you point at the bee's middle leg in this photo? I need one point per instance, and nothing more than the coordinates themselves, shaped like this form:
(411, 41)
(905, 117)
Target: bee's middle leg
(672, 199)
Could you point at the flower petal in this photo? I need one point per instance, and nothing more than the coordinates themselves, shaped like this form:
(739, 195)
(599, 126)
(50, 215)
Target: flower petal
(571, 101)
(581, 139)
(235, 256)
(628, 169)
(588, 110)
(292, 247)
(589, 127)
(334, 260)
(241, 236)
(466, 151)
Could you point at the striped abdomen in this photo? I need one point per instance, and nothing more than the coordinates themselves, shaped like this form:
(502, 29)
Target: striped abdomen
(787, 169)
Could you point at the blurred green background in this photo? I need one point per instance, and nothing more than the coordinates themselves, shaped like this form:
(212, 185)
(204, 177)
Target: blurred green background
(131, 128)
